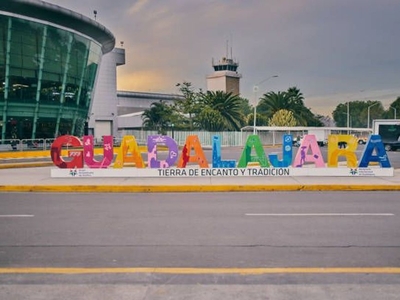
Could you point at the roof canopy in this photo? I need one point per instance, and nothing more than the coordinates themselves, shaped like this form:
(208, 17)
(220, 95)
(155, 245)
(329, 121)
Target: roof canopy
(61, 16)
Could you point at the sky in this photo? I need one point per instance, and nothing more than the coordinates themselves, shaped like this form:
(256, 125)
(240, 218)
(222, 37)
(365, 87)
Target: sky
(334, 51)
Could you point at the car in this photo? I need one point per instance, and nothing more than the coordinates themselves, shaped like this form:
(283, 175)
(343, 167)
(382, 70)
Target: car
(392, 145)
(362, 140)
(297, 141)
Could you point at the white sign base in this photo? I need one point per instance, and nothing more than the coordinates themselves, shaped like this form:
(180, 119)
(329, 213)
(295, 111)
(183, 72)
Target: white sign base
(223, 172)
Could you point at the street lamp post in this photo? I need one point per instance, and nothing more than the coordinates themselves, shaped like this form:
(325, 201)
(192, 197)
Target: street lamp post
(369, 112)
(255, 90)
(348, 110)
(394, 111)
(350, 118)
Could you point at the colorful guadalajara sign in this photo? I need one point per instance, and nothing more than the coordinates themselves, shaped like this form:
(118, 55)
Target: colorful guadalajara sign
(184, 162)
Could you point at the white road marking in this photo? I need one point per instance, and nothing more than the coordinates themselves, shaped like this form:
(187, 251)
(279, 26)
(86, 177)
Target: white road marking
(16, 216)
(323, 215)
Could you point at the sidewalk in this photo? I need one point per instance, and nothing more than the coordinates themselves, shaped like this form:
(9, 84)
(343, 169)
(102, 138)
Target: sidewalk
(38, 179)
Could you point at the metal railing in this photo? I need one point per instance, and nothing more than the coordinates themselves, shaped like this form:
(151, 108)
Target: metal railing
(228, 138)
(25, 144)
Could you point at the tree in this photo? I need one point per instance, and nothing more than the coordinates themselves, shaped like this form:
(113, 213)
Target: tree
(228, 107)
(340, 115)
(358, 113)
(272, 102)
(211, 120)
(245, 106)
(282, 117)
(311, 119)
(157, 117)
(295, 96)
(190, 104)
(376, 111)
(394, 109)
(291, 100)
(261, 120)
(303, 114)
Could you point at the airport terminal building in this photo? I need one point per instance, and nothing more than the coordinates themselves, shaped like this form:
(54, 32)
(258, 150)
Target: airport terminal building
(49, 59)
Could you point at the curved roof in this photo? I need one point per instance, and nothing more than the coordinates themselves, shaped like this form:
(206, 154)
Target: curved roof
(144, 95)
(61, 16)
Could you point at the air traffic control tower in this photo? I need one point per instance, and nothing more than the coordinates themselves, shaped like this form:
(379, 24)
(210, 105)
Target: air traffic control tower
(225, 77)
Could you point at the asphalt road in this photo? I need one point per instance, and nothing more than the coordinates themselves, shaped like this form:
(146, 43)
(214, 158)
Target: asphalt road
(216, 230)
(296, 239)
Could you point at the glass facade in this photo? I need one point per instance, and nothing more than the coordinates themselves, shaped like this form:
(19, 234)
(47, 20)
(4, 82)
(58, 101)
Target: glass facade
(47, 75)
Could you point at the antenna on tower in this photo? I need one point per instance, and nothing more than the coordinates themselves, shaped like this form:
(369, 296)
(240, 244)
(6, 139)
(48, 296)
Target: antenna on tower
(231, 46)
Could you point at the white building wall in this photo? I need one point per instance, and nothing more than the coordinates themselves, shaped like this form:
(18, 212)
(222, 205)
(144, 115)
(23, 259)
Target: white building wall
(131, 102)
(104, 104)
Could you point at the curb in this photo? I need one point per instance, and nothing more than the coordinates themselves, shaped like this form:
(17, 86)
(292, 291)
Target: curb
(25, 165)
(193, 188)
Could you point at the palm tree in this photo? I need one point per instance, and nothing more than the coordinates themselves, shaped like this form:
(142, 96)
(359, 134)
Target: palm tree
(272, 102)
(295, 96)
(228, 107)
(303, 114)
(157, 117)
(291, 100)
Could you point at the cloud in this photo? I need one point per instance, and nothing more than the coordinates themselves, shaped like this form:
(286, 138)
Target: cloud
(137, 7)
(146, 81)
(325, 48)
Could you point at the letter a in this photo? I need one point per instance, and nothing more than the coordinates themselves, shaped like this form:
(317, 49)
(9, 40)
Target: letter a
(129, 146)
(374, 143)
(302, 157)
(253, 141)
(192, 143)
(334, 151)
